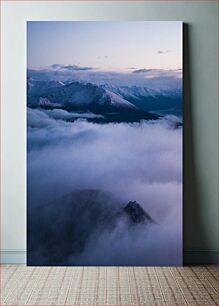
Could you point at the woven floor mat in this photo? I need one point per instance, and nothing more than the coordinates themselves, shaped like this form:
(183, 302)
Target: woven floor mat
(21, 285)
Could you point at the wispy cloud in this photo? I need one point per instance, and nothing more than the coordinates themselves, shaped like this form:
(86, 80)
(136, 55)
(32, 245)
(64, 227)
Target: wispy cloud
(157, 73)
(142, 70)
(70, 67)
(103, 57)
(163, 51)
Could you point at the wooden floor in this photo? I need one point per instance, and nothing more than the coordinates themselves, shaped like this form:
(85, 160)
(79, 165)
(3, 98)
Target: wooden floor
(79, 286)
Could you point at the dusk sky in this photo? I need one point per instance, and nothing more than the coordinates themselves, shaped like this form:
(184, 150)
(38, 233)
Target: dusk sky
(105, 46)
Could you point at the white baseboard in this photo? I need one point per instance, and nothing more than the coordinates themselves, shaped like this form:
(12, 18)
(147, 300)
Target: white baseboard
(13, 256)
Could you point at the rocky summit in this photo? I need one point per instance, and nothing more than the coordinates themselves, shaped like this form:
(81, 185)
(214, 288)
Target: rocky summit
(136, 213)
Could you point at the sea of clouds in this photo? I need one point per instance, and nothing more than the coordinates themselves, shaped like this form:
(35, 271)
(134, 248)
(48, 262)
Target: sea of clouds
(133, 161)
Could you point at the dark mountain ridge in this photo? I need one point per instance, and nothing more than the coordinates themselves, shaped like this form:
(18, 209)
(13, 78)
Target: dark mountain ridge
(65, 226)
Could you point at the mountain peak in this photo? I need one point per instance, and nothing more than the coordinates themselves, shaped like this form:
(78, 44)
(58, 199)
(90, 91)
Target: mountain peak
(136, 213)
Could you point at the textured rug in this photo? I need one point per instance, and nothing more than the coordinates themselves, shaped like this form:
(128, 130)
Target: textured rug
(126, 286)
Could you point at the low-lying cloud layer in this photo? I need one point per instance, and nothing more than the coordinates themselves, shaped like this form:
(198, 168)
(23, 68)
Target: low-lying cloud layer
(138, 161)
(43, 117)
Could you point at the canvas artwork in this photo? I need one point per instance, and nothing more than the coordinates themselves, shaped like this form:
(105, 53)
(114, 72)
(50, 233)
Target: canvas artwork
(104, 143)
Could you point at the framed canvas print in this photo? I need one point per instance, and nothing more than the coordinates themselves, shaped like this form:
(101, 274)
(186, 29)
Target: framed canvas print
(104, 143)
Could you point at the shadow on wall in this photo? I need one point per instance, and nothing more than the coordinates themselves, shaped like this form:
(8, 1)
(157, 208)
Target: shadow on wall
(192, 225)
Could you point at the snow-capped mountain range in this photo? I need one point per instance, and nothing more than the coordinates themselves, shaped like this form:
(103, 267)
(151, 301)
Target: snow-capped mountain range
(140, 91)
(160, 101)
(75, 94)
(116, 103)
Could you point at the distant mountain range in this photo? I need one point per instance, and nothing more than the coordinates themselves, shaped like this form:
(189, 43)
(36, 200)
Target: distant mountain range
(119, 104)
